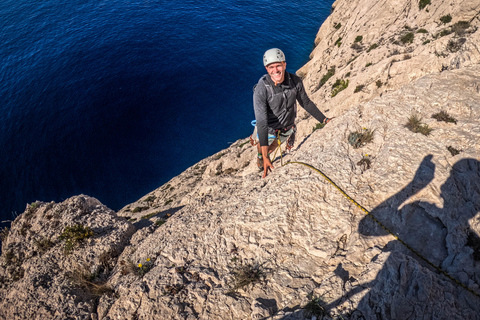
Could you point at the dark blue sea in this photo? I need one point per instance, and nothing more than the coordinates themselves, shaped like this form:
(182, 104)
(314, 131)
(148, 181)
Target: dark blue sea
(113, 98)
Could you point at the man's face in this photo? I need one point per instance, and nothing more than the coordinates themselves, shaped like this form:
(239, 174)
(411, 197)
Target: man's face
(276, 71)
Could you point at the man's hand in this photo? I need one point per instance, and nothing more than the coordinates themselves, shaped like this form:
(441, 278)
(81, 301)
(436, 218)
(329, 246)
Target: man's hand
(327, 120)
(267, 166)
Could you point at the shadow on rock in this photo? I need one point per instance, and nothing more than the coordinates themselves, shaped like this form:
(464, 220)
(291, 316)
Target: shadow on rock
(162, 215)
(441, 235)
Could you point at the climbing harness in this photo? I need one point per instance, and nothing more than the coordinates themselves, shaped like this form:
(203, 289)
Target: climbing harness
(439, 269)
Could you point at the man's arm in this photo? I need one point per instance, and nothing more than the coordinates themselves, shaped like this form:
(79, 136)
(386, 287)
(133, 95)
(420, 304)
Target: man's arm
(308, 104)
(260, 109)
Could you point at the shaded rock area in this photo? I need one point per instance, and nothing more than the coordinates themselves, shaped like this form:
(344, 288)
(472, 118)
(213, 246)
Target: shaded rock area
(220, 242)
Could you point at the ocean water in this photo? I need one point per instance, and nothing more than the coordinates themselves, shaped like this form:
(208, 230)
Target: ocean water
(114, 98)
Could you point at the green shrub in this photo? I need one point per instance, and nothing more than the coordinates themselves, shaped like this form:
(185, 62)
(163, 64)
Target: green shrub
(347, 74)
(407, 38)
(423, 3)
(379, 83)
(444, 116)
(359, 138)
(74, 235)
(318, 126)
(326, 77)
(443, 33)
(338, 42)
(368, 65)
(359, 88)
(426, 42)
(415, 125)
(139, 209)
(160, 222)
(338, 86)
(358, 39)
(150, 198)
(446, 19)
(422, 31)
(373, 46)
(351, 60)
(337, 26)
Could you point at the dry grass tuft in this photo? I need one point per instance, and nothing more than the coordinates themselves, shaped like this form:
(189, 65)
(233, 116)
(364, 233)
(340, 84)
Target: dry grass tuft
(415, 125)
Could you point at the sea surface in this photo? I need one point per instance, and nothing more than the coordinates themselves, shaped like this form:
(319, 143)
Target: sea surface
(114, 98)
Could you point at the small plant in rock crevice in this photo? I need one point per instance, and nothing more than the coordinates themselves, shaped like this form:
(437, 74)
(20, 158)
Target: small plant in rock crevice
(326, 77)
(460, 27)
(415, 125)
(359, 88)
(74, 235)
(358, 39)
(373, 46)
(455, 45)
(139, 209)
(379, 83)
(359, 138)
(338, 43)
(407, 38)
(338, 86)
(356, 46)
(453, 151)
(444, 116)
(82, 277)
(245, 276)
(423, 3)
(318, 126)
(43, 245)
(315, 308)
(4, 234)
(446, 19)
(364, 163)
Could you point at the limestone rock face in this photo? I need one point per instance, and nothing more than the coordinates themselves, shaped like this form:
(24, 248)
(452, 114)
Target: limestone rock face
(41, 278)
(220, 242)
(306, 240)
(380, 46)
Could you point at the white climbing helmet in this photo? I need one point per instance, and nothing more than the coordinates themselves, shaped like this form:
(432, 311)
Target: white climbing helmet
(273, 55)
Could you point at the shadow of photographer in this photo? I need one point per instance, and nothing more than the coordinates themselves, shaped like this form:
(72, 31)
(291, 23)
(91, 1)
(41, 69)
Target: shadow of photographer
(444, 236)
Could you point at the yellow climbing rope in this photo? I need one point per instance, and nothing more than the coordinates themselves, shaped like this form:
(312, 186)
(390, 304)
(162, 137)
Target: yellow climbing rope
(375, 219)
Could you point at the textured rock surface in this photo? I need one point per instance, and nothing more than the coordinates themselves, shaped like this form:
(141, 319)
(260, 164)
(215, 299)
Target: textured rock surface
(220, 242)
(38, 280)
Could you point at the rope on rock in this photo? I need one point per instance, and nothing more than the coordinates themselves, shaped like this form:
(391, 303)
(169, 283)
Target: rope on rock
(439, 269)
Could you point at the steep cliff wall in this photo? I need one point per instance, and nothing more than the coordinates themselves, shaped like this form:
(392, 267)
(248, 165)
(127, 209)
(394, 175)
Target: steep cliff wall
(220, 242)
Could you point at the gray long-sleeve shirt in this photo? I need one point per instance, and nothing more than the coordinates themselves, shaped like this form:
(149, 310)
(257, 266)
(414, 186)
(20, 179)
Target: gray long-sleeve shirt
(274, 106)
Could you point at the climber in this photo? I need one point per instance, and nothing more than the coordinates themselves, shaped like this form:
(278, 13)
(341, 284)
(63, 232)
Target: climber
(274, 100)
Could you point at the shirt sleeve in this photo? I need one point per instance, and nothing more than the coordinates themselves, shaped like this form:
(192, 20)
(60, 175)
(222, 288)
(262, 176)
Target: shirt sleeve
(260, 107)
(308, 104)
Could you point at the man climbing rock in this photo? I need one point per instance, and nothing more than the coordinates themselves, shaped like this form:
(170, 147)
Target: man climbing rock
(274, 105)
